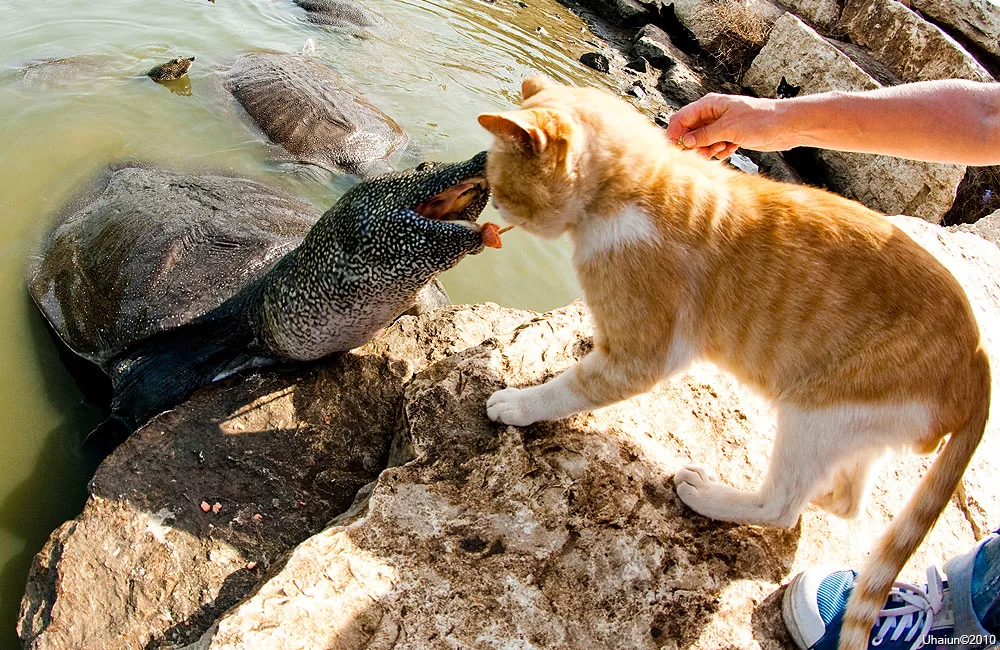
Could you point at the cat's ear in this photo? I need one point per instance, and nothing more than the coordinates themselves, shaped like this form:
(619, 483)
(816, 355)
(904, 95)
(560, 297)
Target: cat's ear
(532, 86)
(519, 128)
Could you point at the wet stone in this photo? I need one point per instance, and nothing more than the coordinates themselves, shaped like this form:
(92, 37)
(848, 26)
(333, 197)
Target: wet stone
(596, 60)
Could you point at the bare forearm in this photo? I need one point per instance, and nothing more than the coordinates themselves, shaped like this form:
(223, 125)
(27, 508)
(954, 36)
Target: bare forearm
(943, 121)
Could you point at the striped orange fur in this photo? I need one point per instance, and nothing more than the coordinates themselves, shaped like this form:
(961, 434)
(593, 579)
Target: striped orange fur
(862, 340)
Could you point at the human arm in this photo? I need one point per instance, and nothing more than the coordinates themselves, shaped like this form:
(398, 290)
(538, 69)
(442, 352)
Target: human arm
(950, 120)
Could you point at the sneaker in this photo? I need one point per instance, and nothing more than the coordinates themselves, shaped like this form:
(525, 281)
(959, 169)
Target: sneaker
(814, 602)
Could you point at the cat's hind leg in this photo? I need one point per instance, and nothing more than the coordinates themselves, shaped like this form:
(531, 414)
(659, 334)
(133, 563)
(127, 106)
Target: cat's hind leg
(810, 444)
(845, 494)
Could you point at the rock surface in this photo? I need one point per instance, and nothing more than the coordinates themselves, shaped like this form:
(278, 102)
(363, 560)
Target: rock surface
(654, 45)
(820, 14)
(559, 535)
(915, 49)
(568, 535)
(281, 454)
(890, 185)
(978, 20)
(988, 227)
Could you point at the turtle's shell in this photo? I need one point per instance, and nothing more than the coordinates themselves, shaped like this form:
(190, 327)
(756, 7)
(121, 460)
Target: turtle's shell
(311, 111)
(345, 14)
(147, 249)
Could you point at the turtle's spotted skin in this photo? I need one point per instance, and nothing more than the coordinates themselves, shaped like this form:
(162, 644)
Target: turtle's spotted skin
(369, 255)
(171, 70)
(150, 277)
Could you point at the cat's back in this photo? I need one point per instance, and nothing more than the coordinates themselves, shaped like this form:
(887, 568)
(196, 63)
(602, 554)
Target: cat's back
(805, 283)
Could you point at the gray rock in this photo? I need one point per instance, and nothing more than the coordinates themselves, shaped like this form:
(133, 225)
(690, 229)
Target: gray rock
(560, 535)
(913, 48)
(890, 185)
(568, 534)
(281, 453)
(595, 60)
(988, 227)
(747, 19)
(621, 12)
(654, 45)
(820, 14)
(638, 65)
(977, 20)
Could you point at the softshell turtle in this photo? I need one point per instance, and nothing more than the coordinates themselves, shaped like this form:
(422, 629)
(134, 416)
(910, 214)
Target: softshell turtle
(343, 14)
(172, 69)
(169, 281)
(304, 106)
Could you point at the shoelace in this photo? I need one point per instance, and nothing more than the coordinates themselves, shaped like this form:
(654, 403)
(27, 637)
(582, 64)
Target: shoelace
(916, 616)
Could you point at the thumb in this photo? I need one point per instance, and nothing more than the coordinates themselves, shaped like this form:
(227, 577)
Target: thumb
(704, 137)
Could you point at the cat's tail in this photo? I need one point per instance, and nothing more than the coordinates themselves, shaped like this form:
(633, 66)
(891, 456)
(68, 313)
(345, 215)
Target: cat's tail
(907, 530)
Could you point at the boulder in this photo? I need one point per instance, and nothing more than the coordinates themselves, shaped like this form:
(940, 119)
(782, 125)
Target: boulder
(977, 20)
(654, 45)
(890, 185)
(717, 24)
(559, 535)
(820, 14)
(988, 227)
(915, 49)
(622, 12)
(569, 534)
(281, 454)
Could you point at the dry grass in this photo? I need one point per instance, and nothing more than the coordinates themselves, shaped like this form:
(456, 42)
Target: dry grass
(742, 27)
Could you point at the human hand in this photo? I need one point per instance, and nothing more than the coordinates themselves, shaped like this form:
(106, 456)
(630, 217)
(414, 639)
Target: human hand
(717, 125)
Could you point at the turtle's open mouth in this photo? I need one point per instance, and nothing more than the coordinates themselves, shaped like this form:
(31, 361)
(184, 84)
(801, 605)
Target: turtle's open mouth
(463, 201)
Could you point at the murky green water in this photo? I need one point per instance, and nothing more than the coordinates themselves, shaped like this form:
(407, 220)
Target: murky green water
(448, 61)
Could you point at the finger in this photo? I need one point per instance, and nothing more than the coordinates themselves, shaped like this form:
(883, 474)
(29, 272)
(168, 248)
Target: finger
(705, 136)
(718, 148)
(728, 151)
(690, 117)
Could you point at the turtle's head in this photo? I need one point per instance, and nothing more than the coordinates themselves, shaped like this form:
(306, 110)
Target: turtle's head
(173, 69)
(424, 217)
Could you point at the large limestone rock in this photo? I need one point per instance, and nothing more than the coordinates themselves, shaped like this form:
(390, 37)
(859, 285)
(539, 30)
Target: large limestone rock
(560, 535)
(732, 30)
(569, 535)
(988, 227)
(977, 20)
(280, 454)
(821, 14)
(890, 185)
(915, 49)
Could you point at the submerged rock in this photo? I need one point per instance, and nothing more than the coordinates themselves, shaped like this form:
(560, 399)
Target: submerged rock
(559, 535)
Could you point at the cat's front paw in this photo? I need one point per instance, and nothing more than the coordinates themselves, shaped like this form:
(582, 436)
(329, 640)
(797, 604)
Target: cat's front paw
(693, 482)
(511, 406)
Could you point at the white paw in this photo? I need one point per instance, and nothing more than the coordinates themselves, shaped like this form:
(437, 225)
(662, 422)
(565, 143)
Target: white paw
(511, 406)
(693, 482)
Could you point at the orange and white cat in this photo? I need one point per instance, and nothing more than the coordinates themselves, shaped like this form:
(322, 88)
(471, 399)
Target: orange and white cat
(862, 340)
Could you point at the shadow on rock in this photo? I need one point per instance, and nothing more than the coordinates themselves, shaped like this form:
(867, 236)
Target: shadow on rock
(558, 535)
